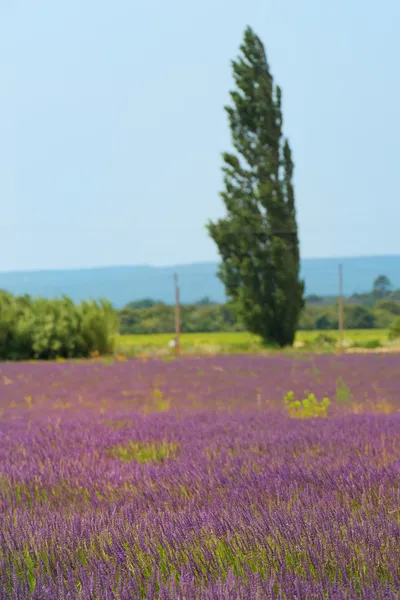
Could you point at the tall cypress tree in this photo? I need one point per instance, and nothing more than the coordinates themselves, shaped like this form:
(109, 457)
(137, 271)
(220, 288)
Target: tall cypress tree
(258, 240)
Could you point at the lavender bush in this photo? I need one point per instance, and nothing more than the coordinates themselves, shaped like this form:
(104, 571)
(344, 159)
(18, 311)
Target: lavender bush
(188, 479)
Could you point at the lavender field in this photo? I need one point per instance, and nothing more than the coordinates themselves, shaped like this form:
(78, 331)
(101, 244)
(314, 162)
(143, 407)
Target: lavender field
(189, 479)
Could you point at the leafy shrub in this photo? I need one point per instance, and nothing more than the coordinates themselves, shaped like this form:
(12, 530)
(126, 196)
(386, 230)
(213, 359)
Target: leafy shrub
(308, 408)
(343, 392)
(325, 340)
(394, 330)
(369, 344)
(142, 452)
(384, 318)
(99, 326)
(48, 329)
(325, 322)
(388, 305)
(359, 317)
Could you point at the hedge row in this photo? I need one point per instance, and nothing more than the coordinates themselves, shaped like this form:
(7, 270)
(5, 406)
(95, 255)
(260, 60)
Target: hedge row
(47, 329)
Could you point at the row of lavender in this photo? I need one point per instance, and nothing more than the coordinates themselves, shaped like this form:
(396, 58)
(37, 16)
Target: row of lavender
(188, 480)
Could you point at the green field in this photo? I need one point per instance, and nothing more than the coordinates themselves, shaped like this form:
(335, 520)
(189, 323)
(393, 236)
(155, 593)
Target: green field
(200, 343)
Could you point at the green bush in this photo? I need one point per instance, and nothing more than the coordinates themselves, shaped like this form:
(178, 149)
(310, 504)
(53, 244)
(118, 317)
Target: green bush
(99, 326)
(326, 322)
(343, 392)
(384, 319)
(325, 339)
(394, 330)
(388, 305)
(307, 408)
(46, 329)
(369, 344)
(358, 317)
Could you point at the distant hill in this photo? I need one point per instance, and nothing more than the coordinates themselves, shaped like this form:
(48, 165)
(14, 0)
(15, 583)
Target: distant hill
(125, 284)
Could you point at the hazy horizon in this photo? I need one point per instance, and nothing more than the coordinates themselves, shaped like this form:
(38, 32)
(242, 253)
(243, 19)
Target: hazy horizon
(125, 283)
(189, 264)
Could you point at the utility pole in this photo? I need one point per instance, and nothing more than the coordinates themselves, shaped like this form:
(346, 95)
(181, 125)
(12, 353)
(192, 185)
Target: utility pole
(340, 308)
(177, 316)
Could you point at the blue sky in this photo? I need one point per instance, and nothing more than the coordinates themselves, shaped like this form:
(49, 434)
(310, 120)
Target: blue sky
(112, 125)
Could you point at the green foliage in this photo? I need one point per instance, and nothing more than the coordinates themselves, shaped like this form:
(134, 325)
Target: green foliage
(324, 339)
(205, 317)
(143, 453)
(30, 570)
(388, 305)
(326, 322)
(307, 408)
(383, 318)
(48, 329)
(394, 331)
(195, 318)
(205, 301)
(314, 299)
(144, 303)
(358, 317)
(325, 318)
(99, 325)
(161, 404)
(258, 241)
(369, 344)
(382, 286)
(343, 392)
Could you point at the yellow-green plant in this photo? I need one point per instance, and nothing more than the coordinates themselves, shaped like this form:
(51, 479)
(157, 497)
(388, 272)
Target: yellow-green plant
(161, 404)
(144, 452)
(394, 330)
(343, 392)
(307, 408)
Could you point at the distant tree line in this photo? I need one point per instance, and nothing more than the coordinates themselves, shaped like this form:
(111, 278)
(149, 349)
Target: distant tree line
(374, 310)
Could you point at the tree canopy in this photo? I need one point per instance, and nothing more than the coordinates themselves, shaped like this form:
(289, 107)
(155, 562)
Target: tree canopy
(258, 239)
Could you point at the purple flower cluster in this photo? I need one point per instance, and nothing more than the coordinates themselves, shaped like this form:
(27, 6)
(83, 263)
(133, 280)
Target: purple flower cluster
(187, 480)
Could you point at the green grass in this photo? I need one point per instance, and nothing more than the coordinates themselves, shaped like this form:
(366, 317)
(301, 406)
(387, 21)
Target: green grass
(343, 392)
(142, 453)
(354, 335)
(238, 342)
